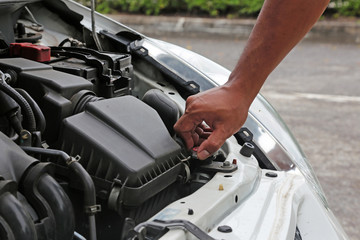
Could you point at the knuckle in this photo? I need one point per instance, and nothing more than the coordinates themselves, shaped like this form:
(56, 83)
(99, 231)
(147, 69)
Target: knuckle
(190, 99)
(192, 103)
(213, 145)
(177, 127)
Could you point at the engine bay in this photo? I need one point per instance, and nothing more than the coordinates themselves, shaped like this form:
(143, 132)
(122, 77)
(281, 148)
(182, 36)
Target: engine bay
(83, 133)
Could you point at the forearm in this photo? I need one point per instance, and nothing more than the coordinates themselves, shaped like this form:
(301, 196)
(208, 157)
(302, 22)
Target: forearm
(280, 26)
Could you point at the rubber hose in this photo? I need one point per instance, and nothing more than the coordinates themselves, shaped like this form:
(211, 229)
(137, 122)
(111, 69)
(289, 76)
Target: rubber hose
(24, 105)
(47, 152)
(80, 106)
(92, 229)
(89, 194)
(15, 123)
(9, 108)
(39, 116)
(87, 182)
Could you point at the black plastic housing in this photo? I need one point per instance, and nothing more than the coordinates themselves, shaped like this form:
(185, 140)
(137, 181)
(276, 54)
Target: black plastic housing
(110, 72)
(123, 141)
(51, 89)
(13, 161)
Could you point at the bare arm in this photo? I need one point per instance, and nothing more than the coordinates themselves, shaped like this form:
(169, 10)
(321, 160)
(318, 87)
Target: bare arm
(280, 26)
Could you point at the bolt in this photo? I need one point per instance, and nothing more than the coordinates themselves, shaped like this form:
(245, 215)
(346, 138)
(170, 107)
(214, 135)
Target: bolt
(224, 229)
(190, 212)
(271, 174)
(226, 164)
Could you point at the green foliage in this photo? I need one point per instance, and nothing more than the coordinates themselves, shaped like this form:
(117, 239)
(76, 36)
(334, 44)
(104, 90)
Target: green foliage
(104, 7)
(349, 7)
(250, 7)
(229, 7)
(214, 8)
(149, 7)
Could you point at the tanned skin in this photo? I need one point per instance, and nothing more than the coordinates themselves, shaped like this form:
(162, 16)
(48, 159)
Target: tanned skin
(280, 26)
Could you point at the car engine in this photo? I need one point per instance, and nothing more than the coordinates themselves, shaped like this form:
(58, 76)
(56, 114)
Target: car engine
(79, 138)
(76, 108)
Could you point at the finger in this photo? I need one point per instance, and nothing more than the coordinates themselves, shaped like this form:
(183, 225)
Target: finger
(205, 135)
(185, 128)
(199, 130)
(195, 138)
(205, 127)
(187, 122)
(211, 144)
(184, 124)
(202, 134)
(188, 139)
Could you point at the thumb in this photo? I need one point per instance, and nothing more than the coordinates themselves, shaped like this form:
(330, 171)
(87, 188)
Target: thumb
(211, 144)
(185, 128)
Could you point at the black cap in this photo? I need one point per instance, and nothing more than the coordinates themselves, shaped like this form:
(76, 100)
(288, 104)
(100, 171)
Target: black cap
(247, 149)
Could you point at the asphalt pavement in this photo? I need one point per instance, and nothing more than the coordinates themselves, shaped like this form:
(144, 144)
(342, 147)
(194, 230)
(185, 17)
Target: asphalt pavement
(340, 31)
(316, 90)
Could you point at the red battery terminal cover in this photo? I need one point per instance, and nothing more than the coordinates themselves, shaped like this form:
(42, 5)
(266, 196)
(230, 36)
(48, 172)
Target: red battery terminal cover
(30, 51)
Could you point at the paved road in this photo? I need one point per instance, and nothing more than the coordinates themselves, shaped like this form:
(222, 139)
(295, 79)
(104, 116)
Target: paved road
(316, 90)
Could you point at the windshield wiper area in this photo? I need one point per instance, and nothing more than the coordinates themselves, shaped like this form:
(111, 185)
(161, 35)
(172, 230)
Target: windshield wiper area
(157, 228)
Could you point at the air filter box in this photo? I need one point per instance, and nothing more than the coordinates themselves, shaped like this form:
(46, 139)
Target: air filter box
(123, 143)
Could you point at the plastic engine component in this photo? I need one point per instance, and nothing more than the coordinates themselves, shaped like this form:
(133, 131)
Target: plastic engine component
(32, 203)
(20, 162)
(124, 141)
(51, 89)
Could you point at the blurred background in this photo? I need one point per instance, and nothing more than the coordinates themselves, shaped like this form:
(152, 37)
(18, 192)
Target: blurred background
(316, 89)
(213, 8)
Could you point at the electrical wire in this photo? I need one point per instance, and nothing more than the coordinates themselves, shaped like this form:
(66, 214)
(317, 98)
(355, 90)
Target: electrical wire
(38, 114)
(25, 106)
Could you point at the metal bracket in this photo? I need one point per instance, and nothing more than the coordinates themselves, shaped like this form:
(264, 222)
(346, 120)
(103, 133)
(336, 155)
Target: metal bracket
(92, 209)
(139, 231)
(225, 167)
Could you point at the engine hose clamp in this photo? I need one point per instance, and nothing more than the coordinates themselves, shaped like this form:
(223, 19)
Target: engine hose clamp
(91, 210)
(4, 77)
(187, 173)
(186, 159)
(71, 160)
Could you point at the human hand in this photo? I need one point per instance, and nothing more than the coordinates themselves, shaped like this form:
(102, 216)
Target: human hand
(210, 118)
